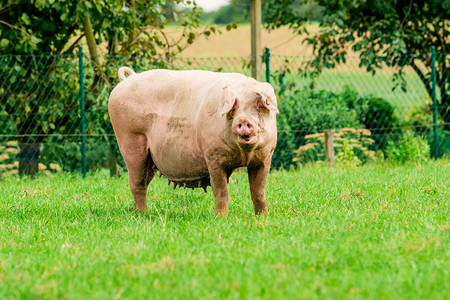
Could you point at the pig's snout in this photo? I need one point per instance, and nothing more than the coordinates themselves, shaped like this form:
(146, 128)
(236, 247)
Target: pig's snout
(244, 127)
(246, 131)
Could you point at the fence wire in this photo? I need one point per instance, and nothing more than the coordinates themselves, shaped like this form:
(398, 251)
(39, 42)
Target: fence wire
(370, 113)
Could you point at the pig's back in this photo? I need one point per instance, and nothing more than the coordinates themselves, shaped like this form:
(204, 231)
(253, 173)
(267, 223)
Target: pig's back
(170, 93)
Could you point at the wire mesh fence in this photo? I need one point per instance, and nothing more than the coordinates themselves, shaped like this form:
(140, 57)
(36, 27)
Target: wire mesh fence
(43, 126)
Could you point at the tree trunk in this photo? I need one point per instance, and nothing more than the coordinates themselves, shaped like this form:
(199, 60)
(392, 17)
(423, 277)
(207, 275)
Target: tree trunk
(28, 156)
(31, 136)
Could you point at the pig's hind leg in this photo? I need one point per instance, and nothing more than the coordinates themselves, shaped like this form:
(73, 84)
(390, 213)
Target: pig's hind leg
(141, 168)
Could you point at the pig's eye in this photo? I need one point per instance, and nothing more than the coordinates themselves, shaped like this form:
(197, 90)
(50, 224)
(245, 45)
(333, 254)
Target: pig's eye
(261, 107)
(232, 111)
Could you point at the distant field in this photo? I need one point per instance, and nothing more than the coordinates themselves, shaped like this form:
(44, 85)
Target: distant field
(237, 43)
(374, 232)
(366, 84)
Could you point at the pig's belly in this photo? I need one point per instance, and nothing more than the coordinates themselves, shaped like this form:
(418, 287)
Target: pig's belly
(178, 157)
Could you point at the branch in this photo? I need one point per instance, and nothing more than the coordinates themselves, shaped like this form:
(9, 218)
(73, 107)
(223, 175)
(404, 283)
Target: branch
(68, 34)
(69, 50)
(7, 5)
(406, 15)
(167, 41)
(16, 28)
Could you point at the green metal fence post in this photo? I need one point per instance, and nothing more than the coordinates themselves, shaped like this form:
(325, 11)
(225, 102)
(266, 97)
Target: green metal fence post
(267, 61)
(82, 112)
(433, 96)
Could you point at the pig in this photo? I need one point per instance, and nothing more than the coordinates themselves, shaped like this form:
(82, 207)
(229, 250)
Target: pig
(195, 128)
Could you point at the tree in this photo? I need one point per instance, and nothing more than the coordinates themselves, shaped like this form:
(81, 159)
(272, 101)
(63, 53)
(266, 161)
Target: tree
(395, 33)
(237, 11)
(39, 93)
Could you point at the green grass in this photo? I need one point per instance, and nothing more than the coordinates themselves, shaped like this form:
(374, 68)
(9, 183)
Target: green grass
(371, 232)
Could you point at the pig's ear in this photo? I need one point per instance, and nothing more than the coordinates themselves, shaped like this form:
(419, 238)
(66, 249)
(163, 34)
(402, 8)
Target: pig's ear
(266, 98)
(227, 100)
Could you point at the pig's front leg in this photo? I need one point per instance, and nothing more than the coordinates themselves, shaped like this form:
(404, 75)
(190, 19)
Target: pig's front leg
(257, 177)
(219, 185)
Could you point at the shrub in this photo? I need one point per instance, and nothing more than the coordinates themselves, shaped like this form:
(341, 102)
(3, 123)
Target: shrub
(376, 115)
(351, 147)
(305, 111)
(408, 148)
(420, 120)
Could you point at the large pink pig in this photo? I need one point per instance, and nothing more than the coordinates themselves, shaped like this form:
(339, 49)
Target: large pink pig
(195, 128)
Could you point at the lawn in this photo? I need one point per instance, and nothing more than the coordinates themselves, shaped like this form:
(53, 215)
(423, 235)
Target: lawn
(375, 232)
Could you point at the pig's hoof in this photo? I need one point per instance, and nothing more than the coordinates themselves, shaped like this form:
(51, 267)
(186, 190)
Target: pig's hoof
(221, 213)
(261, 212)
(138, 209)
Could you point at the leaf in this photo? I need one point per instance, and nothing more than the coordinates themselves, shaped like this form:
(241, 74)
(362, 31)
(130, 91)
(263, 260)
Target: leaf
(25, 19)
(4, 43)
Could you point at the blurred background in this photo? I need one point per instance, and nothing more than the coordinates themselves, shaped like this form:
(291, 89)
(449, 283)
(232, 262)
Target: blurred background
(374, 75)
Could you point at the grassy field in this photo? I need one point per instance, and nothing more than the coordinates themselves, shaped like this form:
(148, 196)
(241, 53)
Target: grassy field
(370, 232)
(379, 85)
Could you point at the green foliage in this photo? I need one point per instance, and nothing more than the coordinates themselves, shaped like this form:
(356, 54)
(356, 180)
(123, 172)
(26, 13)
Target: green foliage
(375, 114)
(304, 111)
(409, 148)
(443, 144)
(42, 88)
(53, 27)
(38, 100)
(39, 27)
(420, 120)
(396, 34)
(370, 232)
(236, 12)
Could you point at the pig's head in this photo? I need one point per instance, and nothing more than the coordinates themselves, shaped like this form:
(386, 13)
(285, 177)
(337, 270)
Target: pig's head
(250, 112)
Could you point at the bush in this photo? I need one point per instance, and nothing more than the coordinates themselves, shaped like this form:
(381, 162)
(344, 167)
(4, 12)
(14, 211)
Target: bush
(420, 120)
(376, 115)
(351, 147)
(239, 12)
(443, 143)
(304, 112)
(408, 148)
